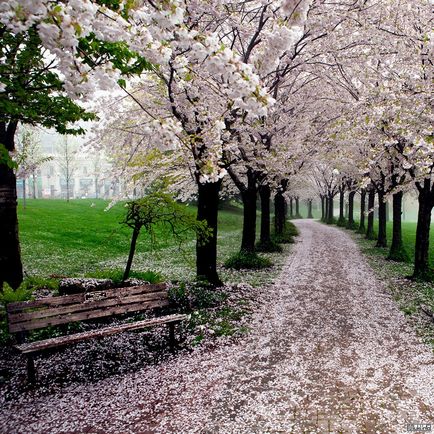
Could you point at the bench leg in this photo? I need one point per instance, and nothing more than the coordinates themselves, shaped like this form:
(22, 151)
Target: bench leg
(172, 341)
(31, 371)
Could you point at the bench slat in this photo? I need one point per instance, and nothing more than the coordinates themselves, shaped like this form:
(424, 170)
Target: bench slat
(80, 298)
(24, 317)
(33, 347)
(86, 315)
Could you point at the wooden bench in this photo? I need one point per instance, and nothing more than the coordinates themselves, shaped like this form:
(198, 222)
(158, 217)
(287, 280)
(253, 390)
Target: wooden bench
(52, 311)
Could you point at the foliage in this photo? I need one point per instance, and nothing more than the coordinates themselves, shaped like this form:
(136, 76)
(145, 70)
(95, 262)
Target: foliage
(341, 222)
(269, 247)
(117, 275)
(32, 283)
(33, 92)
(159, 208)
(247, 260)
(8, 295)
(287, 237)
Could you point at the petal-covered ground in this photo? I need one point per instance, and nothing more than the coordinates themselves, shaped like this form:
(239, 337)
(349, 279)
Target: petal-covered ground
(328, 352)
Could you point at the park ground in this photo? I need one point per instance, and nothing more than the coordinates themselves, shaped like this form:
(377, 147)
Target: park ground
(328, 351)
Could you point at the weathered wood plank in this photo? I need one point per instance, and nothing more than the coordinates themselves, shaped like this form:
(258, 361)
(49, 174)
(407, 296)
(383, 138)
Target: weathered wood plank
(79, 298)
(86, 315)
(23, 317)
(34, 347)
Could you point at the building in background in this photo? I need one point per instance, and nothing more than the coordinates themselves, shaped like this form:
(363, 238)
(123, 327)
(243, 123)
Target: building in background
(72, 171)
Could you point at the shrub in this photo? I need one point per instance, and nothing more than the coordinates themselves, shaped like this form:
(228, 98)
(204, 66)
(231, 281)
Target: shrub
(270, 247)
(8, 295)
(247, 260)
(117, 275)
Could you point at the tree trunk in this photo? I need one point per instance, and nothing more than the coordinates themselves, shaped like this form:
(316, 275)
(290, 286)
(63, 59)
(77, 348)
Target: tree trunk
(327, 207)
(265, 194)
(297, 208)
(279, 213)
(421, 259)
(249, 216)
(322, 207)
(206, 250)
(291, 208)
(330, 211)
(350, 222)
(341, 220)
(11, 270)
(136, 232)
(362, 228)
(397, 251)
(309, 209)
(382, 222)
(370, 235)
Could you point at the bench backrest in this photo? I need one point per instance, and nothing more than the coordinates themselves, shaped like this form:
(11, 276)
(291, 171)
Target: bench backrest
(50, 311)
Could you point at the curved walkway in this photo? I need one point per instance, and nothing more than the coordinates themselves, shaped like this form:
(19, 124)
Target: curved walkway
(329, 352)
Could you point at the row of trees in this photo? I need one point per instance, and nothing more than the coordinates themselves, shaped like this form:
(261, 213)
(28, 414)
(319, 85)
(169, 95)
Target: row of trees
(268, 94)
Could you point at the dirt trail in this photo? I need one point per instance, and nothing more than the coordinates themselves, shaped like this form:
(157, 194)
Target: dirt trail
(329, 352)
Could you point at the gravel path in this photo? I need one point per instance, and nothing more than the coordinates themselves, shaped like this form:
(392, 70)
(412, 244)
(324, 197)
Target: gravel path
(328, 352)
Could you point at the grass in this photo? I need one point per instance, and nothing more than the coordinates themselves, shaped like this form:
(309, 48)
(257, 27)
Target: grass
(81, 238)
(408, 240)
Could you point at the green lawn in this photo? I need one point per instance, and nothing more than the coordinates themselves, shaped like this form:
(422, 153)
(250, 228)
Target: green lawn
(82, 237)
(409, 237)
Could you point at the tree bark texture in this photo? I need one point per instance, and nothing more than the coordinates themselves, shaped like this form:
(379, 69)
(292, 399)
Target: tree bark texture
(370, 235)
(309, 209)
(397, 251)
(136, 232)
(206, 250)
(279, 213)
(362, 228)
(297, 208)
(341, 219)
(265, 194)
(323, 208)
(350, 222)
(330, 211)
(382, 222)
(426, 202)
(11, 270)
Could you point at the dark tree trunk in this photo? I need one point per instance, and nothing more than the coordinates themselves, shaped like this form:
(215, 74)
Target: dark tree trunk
(309, 209)
(382, 222)
(249, 196)
(136, 232)
(350, 222)
(11, 269)
(297, 208)
(370, 235)
(323, 207)
(265, 194)
(279, 213)
(330, 211)
(397, 251)
(327, 207)
(421, 258)
(362, 228)
(341, 220)
(206, 250)
(291, 208)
